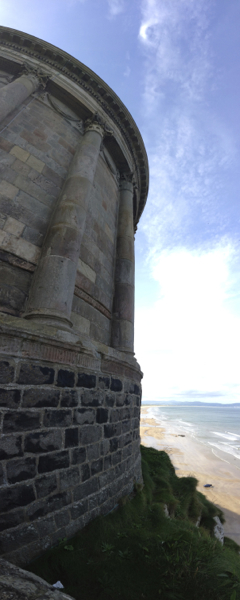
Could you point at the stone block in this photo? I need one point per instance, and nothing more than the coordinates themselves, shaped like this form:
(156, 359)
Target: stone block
(126, 439)
(86, 270)
(22, 536)
(78, 456)
(102, 415)
(1, 475)
(86, 489)
(21, 469)
(96, 466)
(116, 385)
(92, 398)
(46, 526)
(15, 496)
(79, 509)
(120, 399)
(42, 508)
(110, 400)
(90, 434)
(115, 416)
(12, 519)
(45, 485)
(10, 445)
(35, 163)
(71, 437)
(40, 398)
(62, 518)
(19, 153)
(85, 472)
(107, 462)
(86, 381)
(126, 426)
(10, 398)
(104, 447)
(20, 421)
(84, 416)
(69, 478)
(112, 429)
(35, 375)
(33, 236)
(13, 226)
(57, 418)
(114, 444)
(43, 441)
(116, 457)
(51, 462)
(65, 378)
(69, 398)
(104, 382)
(9, 190)
(93, 451)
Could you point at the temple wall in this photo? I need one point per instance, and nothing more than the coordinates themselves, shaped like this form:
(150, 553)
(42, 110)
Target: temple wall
(73, 184)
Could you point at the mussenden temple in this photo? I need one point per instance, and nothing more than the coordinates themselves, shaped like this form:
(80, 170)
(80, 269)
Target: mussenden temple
(74, 182)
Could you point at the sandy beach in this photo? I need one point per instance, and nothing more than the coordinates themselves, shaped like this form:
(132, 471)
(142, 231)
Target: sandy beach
(190, 457)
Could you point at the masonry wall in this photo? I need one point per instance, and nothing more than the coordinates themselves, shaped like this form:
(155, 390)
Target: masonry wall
(73, 183)
(69, 449)
(36, 149)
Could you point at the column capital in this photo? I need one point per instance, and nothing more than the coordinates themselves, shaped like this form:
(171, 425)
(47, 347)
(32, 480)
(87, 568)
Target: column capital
(34, 74)
(96, 123)
(126, 181)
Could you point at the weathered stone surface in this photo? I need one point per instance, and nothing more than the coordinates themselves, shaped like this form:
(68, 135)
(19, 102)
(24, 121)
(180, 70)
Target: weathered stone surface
(6, 372)
(23, 468)
(51, 462)
(69, 401)
(65, 378)
(10, 398)
(44, 441)
(35, 375)
(86, 381)
(17, 584)
(20, 421)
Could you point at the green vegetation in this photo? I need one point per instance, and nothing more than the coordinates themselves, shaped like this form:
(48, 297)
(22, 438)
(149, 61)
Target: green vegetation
(138, 553)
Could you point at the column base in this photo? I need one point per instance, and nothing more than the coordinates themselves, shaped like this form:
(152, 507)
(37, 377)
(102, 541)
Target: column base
(52, 320)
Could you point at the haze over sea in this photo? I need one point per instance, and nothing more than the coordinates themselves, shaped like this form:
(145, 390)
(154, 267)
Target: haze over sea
(214, 425)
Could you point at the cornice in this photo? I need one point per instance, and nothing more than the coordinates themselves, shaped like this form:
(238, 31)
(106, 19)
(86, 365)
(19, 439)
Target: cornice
(95, 87)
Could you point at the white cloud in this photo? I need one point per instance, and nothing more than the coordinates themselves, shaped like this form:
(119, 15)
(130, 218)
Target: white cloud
(116, 7)
(190, 340)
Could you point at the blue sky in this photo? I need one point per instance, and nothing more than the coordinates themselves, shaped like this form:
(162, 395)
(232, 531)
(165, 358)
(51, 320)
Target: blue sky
(175, 64)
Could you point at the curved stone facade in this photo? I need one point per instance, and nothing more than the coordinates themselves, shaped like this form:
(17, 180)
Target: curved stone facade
(74, 179)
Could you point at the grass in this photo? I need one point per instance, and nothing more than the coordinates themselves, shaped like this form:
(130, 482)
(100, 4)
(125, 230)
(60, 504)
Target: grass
(138, 553)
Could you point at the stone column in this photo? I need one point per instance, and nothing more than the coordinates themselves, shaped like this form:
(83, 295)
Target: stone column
(123, 304)
(14, 93)
(53, 284)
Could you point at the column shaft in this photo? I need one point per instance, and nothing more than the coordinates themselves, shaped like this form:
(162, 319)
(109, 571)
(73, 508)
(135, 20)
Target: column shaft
(14, 93)
(123, 304)
(53, 285)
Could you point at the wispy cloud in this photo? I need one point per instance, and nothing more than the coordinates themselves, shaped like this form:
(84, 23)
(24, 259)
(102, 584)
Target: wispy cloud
(188, 148)
(115, 7)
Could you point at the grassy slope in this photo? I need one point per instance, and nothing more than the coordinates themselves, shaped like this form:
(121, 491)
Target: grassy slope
(137, 552)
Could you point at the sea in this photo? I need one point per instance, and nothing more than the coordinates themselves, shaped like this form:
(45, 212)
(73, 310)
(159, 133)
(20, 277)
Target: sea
(215, 426)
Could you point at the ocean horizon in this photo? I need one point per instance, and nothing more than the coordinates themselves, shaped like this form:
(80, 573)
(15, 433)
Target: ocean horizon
(217, 427)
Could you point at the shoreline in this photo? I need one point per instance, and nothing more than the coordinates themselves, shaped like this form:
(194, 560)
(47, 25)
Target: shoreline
(191, 457)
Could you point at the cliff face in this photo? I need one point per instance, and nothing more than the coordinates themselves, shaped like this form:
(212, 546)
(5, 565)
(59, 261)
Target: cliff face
(74, 179)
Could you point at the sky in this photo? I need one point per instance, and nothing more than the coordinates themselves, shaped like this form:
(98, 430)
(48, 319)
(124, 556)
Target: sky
(175, 65)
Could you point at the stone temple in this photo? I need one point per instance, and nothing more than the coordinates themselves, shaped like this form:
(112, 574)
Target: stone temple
(74, 182)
